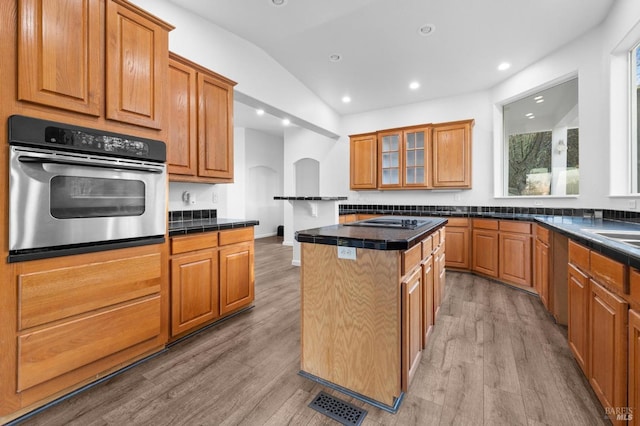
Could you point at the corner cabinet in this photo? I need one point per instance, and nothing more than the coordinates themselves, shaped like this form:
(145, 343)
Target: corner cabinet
(200, 131)
(425, 156)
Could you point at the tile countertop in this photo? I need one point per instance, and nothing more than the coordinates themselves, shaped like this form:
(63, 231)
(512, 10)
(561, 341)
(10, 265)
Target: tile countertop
(370, 237)
(577, 229)
(191, 226)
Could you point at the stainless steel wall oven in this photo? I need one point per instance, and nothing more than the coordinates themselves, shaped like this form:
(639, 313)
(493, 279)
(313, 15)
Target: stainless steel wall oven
(75, 190)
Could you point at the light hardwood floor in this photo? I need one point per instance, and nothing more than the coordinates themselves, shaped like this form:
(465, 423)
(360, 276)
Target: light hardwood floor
(495, 357)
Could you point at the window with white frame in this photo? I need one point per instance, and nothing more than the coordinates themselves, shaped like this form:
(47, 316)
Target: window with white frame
(541, 137)
(635, 118)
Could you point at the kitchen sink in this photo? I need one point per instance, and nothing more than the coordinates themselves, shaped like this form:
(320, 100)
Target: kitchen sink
(631, 238)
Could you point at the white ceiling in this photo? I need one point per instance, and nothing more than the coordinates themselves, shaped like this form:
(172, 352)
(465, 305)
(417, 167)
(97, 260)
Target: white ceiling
(382, 50)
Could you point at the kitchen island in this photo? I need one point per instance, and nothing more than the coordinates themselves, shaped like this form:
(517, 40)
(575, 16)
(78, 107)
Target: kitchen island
(369, 294)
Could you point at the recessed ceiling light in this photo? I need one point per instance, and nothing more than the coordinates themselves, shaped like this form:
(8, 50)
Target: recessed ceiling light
(346, 99)
(539, 101)
(414, 85)
(286, 122)
(531, 117)
(335, 57)
(529, 114)
(504, 66)
(426, 29)
(260, 111)
(278, 3)
(537, 98)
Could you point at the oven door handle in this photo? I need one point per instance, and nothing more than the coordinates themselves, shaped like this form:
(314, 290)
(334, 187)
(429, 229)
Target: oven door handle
(36, 160)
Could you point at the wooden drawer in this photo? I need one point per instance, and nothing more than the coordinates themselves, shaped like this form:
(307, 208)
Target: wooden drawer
(54, 294)
(233, 236)
(427, 247)
(485, 224)
(53, 351)
(609, 272)
(579, 256)
(435, 238)
(187, 243)
(543, 234)
(458, 221)
(515, 226)
(411, 258)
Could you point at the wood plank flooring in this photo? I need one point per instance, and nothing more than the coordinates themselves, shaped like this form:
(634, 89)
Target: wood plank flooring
(495, 357)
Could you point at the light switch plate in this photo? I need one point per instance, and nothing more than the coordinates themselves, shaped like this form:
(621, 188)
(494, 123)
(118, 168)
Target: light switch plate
(347, 253)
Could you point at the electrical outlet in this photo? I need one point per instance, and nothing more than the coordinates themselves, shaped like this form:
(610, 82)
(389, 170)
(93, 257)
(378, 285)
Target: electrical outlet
(632, 204)
(537, 202)
(215, 197)
(347, 253)
(456, 197)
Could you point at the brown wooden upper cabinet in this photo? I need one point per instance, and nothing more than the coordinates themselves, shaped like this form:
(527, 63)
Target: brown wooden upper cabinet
(451, 147)
(417, 157)
(66, 61)
(200, 131)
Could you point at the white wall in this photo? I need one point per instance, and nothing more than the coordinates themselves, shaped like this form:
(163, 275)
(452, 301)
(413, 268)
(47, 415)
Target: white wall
(258, 75)
(264, 165)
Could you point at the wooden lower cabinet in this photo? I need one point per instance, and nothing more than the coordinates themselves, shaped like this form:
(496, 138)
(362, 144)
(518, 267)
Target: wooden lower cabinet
(412, 303)
(485, 247)
(541, 267)
(236, 276)
(80, 318)
(458, 240)
(212, 275)
(194, 290)
(607, 344)
(428, 314)
(634, 367)
(515, 258)
(578, 312)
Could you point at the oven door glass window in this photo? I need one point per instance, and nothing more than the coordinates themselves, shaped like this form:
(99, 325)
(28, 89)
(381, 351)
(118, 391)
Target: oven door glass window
(85, 197)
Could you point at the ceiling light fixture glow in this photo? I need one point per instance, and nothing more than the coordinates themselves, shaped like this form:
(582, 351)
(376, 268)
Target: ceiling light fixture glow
(346, 99)
(286, 122)
(426, 30)
(414, 85)
(529, 114)
(278, 3)
(539, 101)
(531, 117)
(504, 66)
(537, 98)
(335, 57)
(260, 111)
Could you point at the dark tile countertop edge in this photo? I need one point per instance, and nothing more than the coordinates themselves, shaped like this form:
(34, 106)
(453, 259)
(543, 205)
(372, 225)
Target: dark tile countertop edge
(294, 198)
(570, 226)
(376, 238)
(194, 226)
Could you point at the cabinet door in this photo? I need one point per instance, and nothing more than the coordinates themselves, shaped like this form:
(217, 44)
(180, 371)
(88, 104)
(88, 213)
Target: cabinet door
(541, 277)
(182, 137)
(457, 254)
(390, 159)
(411, 326)
(578, 310)
(485, 252)
(439, 278)
(416, 143)
(451, 151)
(137, 62)
(515, 258)
(236, 277)
(608, 347)
(363, 161)
(194, 290)
(60, 54)
(427, 297)
(215, 128)
(634, 366)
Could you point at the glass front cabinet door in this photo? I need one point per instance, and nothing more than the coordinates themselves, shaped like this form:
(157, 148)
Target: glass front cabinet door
(404, 158)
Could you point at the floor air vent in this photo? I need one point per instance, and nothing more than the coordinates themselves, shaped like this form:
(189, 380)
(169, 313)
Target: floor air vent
(338, 410)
